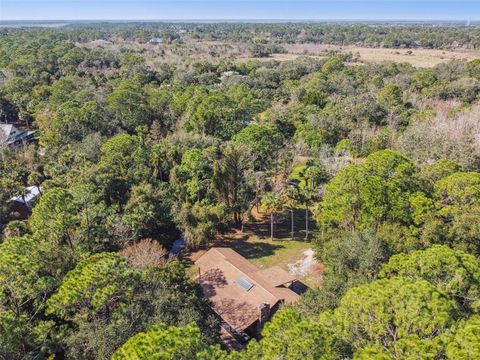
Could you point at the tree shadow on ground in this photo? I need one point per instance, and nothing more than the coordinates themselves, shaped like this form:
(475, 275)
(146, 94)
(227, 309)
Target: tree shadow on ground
(282, 226)
(251, 250)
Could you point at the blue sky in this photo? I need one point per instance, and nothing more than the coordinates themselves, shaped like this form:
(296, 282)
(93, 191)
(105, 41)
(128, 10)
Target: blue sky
(239, 9)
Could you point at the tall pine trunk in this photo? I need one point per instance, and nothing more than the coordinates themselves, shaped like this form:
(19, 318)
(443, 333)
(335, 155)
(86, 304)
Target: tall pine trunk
(293, 224)
(306, 221)
(271, 226)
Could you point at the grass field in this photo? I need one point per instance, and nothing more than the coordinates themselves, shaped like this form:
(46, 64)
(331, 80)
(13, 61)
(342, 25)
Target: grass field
(264, 253)
(213, 51)
(417, 57)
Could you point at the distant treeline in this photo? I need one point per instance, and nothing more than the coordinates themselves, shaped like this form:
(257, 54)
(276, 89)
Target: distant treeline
(435, 36)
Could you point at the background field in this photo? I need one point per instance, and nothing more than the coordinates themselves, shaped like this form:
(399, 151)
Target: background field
(212, 51)
(416, 57)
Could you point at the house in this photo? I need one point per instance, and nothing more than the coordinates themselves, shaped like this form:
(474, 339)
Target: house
(227, 74)
(157, 40)
(13, 137)
(22, 204)
(242, 294)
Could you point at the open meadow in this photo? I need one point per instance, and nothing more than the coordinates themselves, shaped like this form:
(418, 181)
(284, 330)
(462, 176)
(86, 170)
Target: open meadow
(416, 57)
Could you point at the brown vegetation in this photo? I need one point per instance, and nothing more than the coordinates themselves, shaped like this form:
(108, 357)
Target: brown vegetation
(455, 137)
(145, 253)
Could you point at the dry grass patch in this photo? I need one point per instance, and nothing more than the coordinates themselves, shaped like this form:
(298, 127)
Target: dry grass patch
(416, 57)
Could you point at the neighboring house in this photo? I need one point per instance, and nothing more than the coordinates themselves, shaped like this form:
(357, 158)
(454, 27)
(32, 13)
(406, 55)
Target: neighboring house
(22, 204)
(13, 137)
(227, 74)
(156, 41)
(243, 295)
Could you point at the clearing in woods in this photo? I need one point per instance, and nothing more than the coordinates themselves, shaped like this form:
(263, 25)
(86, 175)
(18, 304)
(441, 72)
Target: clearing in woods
(294, 256)
(415, 57)
(214, 51)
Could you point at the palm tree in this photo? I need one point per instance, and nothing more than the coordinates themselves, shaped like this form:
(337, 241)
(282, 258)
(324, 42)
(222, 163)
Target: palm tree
(271, 204)
(308, 195)
(313, 175)
(290, 200)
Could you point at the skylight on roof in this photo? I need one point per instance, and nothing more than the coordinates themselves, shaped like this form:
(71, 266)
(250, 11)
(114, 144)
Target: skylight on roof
(245, 284)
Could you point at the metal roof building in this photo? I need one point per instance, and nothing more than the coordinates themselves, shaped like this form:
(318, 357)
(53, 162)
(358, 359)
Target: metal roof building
(11, 136)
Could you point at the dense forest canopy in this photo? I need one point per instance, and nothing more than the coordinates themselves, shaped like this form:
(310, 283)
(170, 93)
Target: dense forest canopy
(139, 141)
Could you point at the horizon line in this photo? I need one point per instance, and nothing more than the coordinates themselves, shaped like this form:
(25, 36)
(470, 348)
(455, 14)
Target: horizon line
(248, 19)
